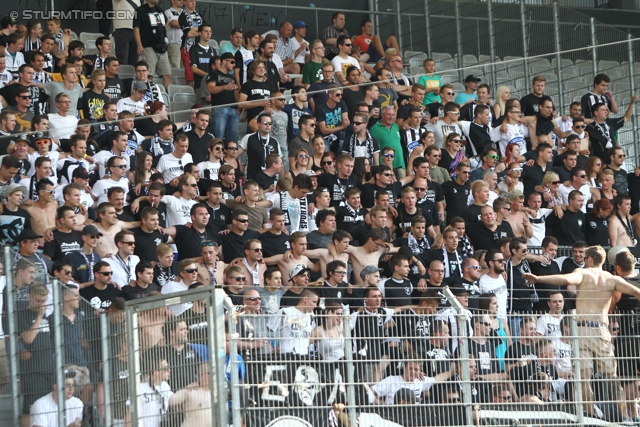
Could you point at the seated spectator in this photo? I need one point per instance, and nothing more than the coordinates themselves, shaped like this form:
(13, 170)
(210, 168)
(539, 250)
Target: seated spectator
(44, 412)
(372, 47)
(143, 285)
(331, 33)
(188, 273)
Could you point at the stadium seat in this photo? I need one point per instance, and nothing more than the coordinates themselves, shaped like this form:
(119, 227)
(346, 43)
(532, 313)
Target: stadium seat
(485, 58)
(86, 37)
(180, 111)
(414, 54)
(446, 66)
(214, 44)
(224, 42)
(458, 87)
(416, 62)
(469, 60)
(440, 56)
(177, 72)
(540, 69)
(574, 85)
(157, 80)
(181, 81)
(415, 72)
(173, 89)
(127, 69)
(74, 36)
(184, 97)
(565, 62)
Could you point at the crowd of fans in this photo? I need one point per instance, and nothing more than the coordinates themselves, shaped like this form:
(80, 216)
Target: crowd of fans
(367, 192)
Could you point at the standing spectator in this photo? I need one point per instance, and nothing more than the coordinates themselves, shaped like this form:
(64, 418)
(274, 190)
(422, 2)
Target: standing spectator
(202, 57)
(387, 132)
(65, 238)
(199, 138)
(123, 263)
(271, 61)
(126, 48)
(312, 71)
(361, 143)
(569, 227)
(300, 45)
(493, 281)
(234, 240)
(143, 284)
(255, 92)
(114, 87)
(44, 412)
(174, 33)
(331, 33)
(13, 53)
(337, 183)
(258, 146)
(456, 192)
(470, 88)
(245, 56)
(68, 85)
(150, 33)
(622, 230)
(549, 324)
(602, 132)
(295, 339)
(96, 61)
(223, 90)
(190, 20)
(103, 291)
(599, 94)
(529, 103)
(64, 121)
(182, 357)
(319, 89)
(295, 111)
(83, 260)
(116, 166)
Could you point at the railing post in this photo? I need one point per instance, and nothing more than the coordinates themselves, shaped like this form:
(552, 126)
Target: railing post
(594, 49)
(456, 7)
(632, 86)
(492, 44)
(348, 358)
(525, 41)
(133, 362)
(217, 354)
(427, 24)
(106, 366)
(58, 339)
(575, 357)
(9, 264)
(398, 26)
(556, 33)
(235, 380)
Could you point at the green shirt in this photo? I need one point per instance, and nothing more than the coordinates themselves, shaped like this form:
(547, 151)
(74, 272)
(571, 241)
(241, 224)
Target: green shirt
(312, 72)
(389, 138)
(430, 82)
(439, 174)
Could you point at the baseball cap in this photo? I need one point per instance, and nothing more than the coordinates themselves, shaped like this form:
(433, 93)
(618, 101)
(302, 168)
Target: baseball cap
(368, 270)
(141, 86)
(299, 24)
(91, 230)
(7, 20)
(227, 55)
(12, 188)
(297, 270)
(309, 172)
(80, 172)
(471, 78)
(28, 234)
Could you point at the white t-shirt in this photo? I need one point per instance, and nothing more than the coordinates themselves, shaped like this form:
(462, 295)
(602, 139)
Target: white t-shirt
(178, 210)
(73, 165)
(549, 326)
(563, 360)
(174, 35)
(173, 287)
(300, 59)
(128, 104)
(102, 157)
(6, 77)
(538, 226)
(124, 271)
(171, 167)
(44, 411)
(564, 191)
(441, 130)
(155, 402)
(86, 201)
(212, 167)
(295, 217)
(277, 61)
(515, 134)
(62, 127)
(293, 330)
(54, 156)
(341, 65)
(102, 186)
(498, 287)
(388, 387)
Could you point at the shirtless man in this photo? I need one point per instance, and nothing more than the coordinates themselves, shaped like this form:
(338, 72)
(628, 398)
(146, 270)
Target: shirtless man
(108, 224)
(370, 252)
(384, 200)
(341, 241)
(517, 216)
(252, 264)
(595, 288)
(621, 228)
(210, 265)
(296, 256)
(43, 211)
(195, 402)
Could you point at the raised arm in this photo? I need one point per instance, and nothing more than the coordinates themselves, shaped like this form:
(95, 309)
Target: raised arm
(574, 278)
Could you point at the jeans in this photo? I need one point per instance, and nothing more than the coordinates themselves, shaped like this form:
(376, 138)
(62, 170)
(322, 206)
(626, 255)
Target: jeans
(224, 121)
(126, 48)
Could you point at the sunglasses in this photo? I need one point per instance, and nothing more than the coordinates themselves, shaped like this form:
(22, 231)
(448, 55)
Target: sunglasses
(516, 170)
(193, 185)
(266, 123)
(312, 125)
(256, 250)
(119, 166)
(486, 323)
(106, 273)
(303, 156)
(419, 188)
(555, 182)
(493, 156)
(244, 221)
(128, 243)
(389, 175)
(456, 140)
(218, 148)
(498, 260)
(47, 191)
(474, 267)
(231, 61)
(582, 176)
(232, 148)
(358, 123)
(327, 163)
(581, 126)
(239, 279)
(253, 299)
(42, 141)
(207, 243)
(339, 95)
(191, 270)
(389, 155)
(94, 237)
(24, 97)
(347, 44)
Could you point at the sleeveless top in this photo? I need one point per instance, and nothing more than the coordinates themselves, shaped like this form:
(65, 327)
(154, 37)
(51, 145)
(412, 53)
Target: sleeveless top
(315, 167)
(331, 349)
(501, 347)
(602, 196)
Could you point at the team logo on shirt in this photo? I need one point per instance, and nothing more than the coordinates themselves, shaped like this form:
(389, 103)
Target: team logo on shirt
(222, 217)
(580, 222)
(593, 224)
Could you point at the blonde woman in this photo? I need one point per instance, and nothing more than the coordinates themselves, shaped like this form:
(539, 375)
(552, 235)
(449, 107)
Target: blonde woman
(301, 164)
(606, 190)
(503, 93)
(551, 183)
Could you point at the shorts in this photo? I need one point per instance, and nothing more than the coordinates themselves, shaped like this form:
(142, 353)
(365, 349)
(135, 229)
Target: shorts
(186, 60)
(374, 56)
(595, 344)
(158, 62)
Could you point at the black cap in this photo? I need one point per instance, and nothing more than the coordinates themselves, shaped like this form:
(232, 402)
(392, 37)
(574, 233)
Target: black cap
(227, 55)
(80, 172)
(28, 234)
(471, 78)
(7, 20)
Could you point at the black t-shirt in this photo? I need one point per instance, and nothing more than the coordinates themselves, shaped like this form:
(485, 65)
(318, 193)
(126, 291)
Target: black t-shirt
(517, 352)
(256, 91)
(403, 220)
(529, 104)
(130, 292)
(264, 181)
(147, 243)
(596, 231)
(435, 109)
(232, 244)
(198, 145)
(339, 293)
(189, 240)
(162, 212)
(198, 326)
(100, 298)
(332, 117)
(369, 192)
(221, 79)
(126, 215)
(415, 329)
(201, 57)
(348, 219)
(219, 218)
(274, 244)
(543, 289)
(62, 244)
(455, 266)
(456, 196)
(114, 88)
(519, 294)
(532, 176)
(483, 238)
(485, 355)
(92, 105)
(568, 229)
(150, 20)
(41, 348)
(289, 299)
(336, 186)
(601, 134)
(397, 293)
(351, 98)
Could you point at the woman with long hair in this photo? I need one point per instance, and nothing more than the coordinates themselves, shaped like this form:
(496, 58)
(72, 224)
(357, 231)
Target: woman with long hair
(551, 182)
(502, 96)
(512, 153)
(144, 160)
(300, 166)
(328, 334)
(148, 126)
(597, 225)
(362, 169)
(593, 167)
(231, 158)
(328, 162)
(452, 153)
(317, 142)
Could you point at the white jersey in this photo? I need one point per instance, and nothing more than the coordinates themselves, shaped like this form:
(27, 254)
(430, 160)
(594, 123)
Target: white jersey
(209, 170)
(296, 216)
(564, 192)
(538, 226)
(124, 271)
(128, 104)
(498, 287)
(54, 156)
(178, 210)
(549, 327)
(293, 329)
(173, 287)
(515, 134)
(102, 157)
(388, 387)
(155, 402)
(171, 167)
(5, 78)
(102, 186)
(44, 411)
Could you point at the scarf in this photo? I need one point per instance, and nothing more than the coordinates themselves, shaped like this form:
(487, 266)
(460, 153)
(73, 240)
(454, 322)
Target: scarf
(465, 247)
(156, 146)
(445, 255)
(415, 246)
(454, 164)
(354, 142)
(296, 217)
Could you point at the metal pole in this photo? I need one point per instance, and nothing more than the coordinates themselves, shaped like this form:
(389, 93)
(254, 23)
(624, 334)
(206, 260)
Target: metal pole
(348, 357)
(58, 339)
(217, 354)
(132, 362)
(106, 366)
(525, 41)
(575, 358)
(372, 16)
(556, 33)
(13, 340)
(398, 26)
(427, 27)
(456, 6)
(235, 380)
(317, 25)
(632, 86)
(492, 44)
(594, 50)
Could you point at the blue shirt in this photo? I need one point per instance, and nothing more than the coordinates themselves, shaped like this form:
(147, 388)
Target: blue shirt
(461, 98)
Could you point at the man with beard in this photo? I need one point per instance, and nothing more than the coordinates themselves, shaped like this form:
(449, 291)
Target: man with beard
(493, 281)
(102, 292)
(469, 281)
